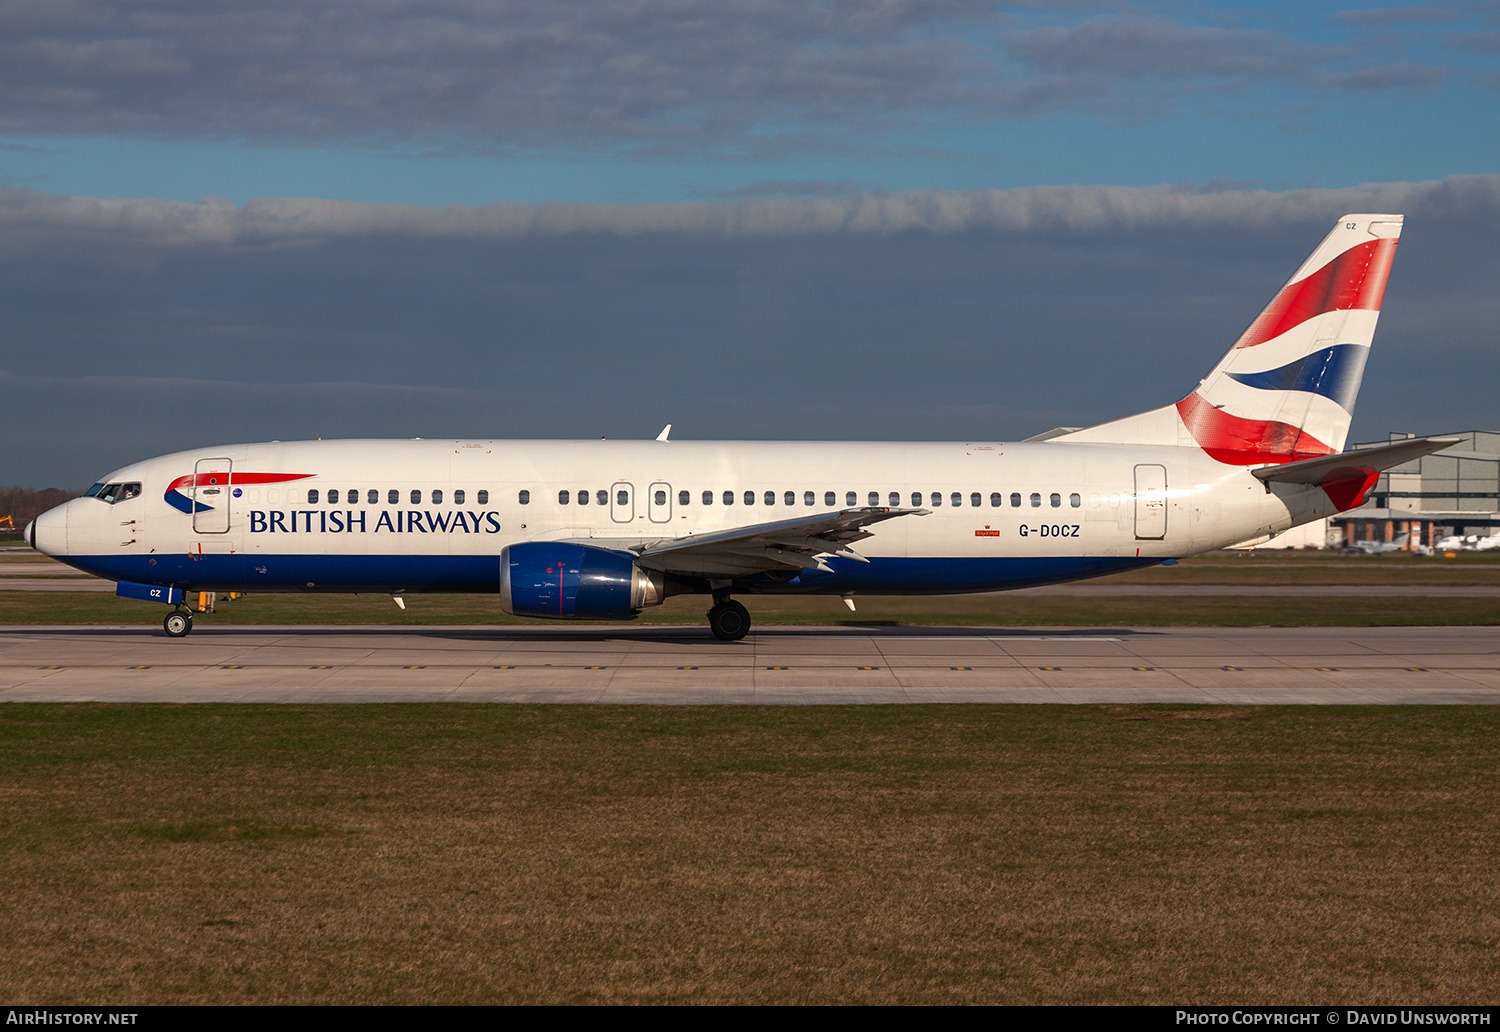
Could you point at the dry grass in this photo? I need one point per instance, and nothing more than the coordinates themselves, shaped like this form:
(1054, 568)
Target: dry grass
(65, 607)
(159, 854)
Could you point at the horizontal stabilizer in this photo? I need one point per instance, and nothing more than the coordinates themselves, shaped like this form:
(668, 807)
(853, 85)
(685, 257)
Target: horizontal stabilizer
(1061, 431)
(1363, 462)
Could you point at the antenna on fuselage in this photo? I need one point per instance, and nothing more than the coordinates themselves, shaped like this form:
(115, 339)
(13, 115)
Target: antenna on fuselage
(665, 431)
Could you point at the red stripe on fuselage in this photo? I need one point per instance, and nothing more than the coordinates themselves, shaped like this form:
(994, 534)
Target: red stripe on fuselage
(1355, 279)
(240, 479)
(1238, 441)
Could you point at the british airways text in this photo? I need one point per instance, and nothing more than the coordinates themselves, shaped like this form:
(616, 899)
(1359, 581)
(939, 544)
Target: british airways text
(364, 521)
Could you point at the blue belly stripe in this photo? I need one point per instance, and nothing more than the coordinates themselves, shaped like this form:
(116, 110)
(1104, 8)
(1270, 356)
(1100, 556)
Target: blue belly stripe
(481, 574)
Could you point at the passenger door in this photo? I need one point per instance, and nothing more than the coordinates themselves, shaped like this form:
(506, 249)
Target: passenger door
(212, 490)
(1150, 502)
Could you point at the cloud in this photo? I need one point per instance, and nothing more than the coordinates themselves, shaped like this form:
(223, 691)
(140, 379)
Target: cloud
(1433, 13)
(643, 78)
(1140, 48)
(31, 219)
(135, 328)
(519, 75)
(1475, 42)
(1384, 77)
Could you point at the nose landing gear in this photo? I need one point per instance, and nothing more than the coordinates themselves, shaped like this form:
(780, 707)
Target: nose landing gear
(178, 623)
(729, 620)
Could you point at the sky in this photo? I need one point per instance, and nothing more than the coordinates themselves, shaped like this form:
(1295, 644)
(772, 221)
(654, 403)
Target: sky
(765, 219)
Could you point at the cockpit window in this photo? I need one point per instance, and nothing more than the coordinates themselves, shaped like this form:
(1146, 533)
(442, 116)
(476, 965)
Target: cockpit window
(112, 493)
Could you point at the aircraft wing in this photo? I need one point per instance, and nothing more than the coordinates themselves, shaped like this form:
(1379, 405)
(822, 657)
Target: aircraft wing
(1362, 462)
(794, 544)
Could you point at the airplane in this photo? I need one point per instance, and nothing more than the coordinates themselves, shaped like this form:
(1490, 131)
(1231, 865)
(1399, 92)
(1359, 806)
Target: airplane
(601, 530)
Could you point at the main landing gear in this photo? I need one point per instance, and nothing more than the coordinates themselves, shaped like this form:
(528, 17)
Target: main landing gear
(729, 620)
(178, 623)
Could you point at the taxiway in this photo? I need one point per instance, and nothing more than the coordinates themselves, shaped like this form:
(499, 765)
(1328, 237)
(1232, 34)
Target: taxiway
(775, 665)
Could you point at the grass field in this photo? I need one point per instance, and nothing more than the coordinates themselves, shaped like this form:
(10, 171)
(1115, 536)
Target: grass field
(858, 854)
(160, 854)
(1300, 570)
(53, 607)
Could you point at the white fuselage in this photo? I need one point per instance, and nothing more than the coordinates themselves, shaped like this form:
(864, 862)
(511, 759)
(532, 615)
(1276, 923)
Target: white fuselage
(999, 515)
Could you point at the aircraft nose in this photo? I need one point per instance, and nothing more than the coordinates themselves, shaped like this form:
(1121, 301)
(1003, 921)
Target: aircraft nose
(48, 533)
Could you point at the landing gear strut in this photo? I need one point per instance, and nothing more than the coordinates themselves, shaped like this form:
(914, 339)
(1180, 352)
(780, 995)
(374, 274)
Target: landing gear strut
(729, 620)
(178, 623)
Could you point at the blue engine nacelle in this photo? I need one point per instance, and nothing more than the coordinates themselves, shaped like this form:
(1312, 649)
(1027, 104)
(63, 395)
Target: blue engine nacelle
(575, 582)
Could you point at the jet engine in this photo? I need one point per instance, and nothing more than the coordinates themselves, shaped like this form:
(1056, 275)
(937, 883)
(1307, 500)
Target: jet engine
(565, 581)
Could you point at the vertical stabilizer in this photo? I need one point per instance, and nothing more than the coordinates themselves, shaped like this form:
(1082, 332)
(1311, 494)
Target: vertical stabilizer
(1286, 390)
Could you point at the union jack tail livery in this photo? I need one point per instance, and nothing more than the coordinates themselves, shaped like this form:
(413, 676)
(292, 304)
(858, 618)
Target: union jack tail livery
(1286, 389)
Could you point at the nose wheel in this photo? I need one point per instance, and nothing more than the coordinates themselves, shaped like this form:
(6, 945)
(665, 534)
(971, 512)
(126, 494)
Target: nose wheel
(729, 620)
(178, 623)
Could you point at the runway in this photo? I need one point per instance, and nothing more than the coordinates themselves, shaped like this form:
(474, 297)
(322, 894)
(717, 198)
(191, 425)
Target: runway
(774, 665)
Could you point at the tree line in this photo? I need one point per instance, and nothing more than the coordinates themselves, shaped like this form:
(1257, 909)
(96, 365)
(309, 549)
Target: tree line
(24, 504)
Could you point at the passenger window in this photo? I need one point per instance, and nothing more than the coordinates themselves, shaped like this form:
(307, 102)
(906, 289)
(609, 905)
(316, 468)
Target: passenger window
(563, 497)
(312, 496)
(1055, 499)
(850, 498)
(583, 497)
(828, 498)
(482, 497)
(622, 497)
(437, 497)
(894, 499)
(974, 499)
(372, 497)
(790, 498)
(937, 498)
(416, 496)
(393, 497)
(682, 497)
(957, 499)
(1036, 500)
(995, 499)
(916, 499)
(874, 497)
(333, 495)
(1074, 500)
(1015, 499)
(749, 497)
(458, 497)
(708, 498)
(524, 497)
(660, 498)
(770, 497)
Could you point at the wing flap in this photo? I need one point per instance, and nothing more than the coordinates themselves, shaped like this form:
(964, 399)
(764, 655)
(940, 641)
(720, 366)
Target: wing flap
(795, 544)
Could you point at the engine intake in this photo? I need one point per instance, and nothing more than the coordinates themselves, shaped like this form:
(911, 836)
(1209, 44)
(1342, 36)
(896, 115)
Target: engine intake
(565, 581)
